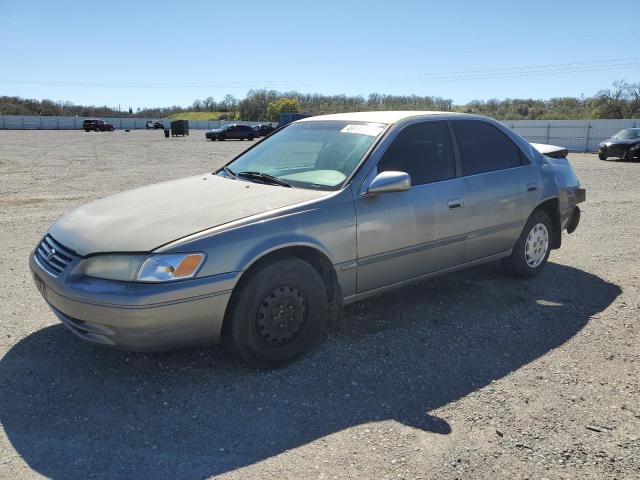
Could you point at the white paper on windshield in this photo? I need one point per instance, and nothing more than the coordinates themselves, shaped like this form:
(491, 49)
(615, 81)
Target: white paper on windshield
(371, 130)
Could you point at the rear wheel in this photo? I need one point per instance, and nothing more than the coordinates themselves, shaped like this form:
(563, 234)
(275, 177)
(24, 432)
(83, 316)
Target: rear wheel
(277, 314)
(250, 138)
(531, 252)
(222, 138)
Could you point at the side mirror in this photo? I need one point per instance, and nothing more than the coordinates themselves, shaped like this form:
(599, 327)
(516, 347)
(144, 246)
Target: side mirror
(386, 182)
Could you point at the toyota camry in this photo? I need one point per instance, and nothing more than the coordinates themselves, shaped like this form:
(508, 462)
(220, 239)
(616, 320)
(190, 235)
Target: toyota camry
(262, 253)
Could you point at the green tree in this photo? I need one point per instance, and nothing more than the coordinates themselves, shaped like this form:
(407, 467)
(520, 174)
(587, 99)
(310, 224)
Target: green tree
(282, 105)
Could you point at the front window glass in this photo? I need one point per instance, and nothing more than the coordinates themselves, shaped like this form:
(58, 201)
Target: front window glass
(628, 134)
(319, 154)
(424, 151)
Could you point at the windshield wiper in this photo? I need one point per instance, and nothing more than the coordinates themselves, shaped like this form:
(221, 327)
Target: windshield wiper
(228, 171)
(265, 177)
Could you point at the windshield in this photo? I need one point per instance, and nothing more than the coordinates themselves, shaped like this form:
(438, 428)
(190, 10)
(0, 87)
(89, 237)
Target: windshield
(628, 133)
(317, 154)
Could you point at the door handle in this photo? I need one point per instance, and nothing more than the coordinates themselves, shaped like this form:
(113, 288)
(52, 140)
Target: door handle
(455, 203)
(532, 187)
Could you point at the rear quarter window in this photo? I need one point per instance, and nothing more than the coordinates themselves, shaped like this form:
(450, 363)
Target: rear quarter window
(484, 148)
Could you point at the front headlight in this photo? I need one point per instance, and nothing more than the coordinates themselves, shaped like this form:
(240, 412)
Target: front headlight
(144, 268)
(112, 267)
(170, 267)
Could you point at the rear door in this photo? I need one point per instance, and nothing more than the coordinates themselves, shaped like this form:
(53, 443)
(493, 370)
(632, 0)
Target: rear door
(403, 235)
(500, 186)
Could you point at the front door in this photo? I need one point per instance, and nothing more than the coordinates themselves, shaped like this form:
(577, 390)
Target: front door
(404, 235)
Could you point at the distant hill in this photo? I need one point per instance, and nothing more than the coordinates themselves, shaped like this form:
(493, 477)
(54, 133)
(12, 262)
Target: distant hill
(201, 116)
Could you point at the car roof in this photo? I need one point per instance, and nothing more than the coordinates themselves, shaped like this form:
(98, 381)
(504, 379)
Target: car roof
(390, 116)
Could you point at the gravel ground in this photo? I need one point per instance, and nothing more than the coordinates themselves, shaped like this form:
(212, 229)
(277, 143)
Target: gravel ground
(471, 375)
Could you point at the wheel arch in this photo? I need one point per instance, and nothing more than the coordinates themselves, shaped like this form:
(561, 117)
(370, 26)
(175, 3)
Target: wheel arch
(310, 254)
(551, 207)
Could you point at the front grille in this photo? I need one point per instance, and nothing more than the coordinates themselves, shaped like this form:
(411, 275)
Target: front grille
(617, 150)
(52, 256)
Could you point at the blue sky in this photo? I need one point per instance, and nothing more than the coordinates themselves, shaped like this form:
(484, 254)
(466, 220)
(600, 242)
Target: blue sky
(158, 53)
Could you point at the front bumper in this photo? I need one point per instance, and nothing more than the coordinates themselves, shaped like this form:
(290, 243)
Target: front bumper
(138, 316)
(620, 151)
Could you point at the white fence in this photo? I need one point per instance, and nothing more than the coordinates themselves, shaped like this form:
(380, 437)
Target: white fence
(575, 135)
(18, 122)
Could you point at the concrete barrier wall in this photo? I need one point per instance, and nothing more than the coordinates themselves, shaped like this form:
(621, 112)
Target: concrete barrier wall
(575, 135)
(19, 122)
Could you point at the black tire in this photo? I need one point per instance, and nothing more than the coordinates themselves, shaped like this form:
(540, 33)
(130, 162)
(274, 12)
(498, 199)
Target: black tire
(250, 138)
(86, 130)
(602, 155)
(222, 138)
(517, 264)
(289, 291)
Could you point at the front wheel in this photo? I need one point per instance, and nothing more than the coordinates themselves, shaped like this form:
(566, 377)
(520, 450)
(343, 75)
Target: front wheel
(531, 252)
(602, 155)
(276, 314)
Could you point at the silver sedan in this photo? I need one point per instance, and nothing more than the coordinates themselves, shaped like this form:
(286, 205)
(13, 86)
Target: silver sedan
(262, 253)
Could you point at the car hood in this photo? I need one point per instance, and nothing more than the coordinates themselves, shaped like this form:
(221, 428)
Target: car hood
(621, 141)
(146, 218)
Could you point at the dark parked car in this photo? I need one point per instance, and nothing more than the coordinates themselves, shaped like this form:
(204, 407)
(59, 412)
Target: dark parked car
(625, 144)
(264, 129)
(232, 130)
(97, 126)
(155, 124)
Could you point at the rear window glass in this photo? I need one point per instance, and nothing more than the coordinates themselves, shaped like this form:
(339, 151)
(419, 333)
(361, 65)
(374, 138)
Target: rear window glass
(484, 148)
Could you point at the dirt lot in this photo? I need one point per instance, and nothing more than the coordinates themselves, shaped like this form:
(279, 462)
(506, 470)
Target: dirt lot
(472, 375)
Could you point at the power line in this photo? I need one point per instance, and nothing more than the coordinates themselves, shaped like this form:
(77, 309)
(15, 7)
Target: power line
(551, 69)
(529, 73)
(537, 67)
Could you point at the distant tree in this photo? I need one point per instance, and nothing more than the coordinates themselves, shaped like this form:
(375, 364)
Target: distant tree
(228, 103)
(622, 100)
(282, 105)
(254, 105)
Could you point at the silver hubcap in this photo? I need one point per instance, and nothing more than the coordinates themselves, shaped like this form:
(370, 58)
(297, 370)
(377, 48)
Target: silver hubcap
(535, 249)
